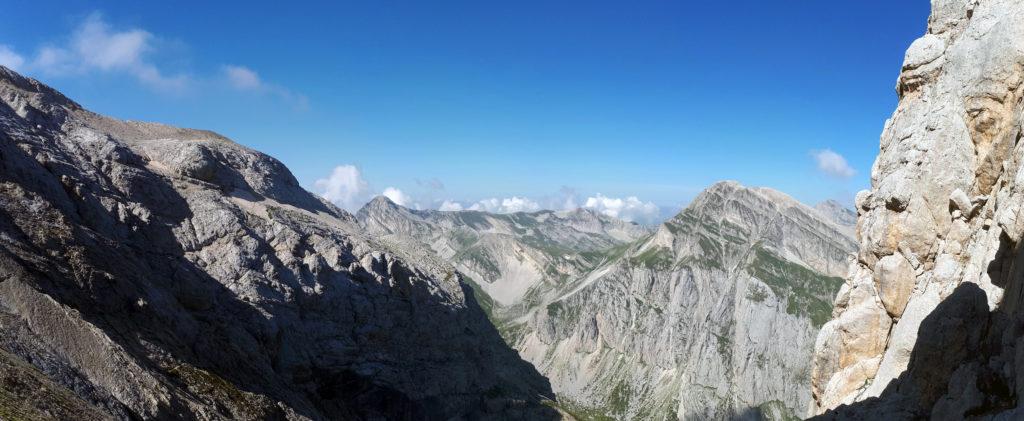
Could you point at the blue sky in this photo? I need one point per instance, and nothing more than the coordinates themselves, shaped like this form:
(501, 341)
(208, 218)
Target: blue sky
(471, 100)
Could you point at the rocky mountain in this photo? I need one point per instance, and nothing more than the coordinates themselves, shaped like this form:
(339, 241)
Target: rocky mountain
(514, 258)
(928, 325)
(712, 315)
(153, 272)
(838, 214)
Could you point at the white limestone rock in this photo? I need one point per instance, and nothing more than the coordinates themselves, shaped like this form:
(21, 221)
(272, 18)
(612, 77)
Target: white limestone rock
(949, 173)
(895, 280)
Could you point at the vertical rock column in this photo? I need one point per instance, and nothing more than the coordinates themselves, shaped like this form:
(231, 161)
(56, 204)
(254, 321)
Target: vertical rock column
(945, 197)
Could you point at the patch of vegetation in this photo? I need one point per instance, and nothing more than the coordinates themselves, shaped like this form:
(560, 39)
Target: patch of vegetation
(546, 245)
(761, 361)
(712, 249)
(724, 343)
(674, 227)
(486, 303)
(474, 219)
(579, 412)
(512, 333)
(206, 382)
(734, 233)
(654, 257)
(558, 310)
(775, 410)
(757, 293)
(596, 257)
(807, 293)
(523, 219)
(27, 394)
(478, 257)
(464, 238)
(618, 400)
(695, 262)
(690, 222)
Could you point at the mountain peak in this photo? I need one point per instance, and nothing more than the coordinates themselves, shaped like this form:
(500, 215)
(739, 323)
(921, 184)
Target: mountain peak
(380, 206)
(33, 100)
(836, 212)
(382, 201)
(733, 190)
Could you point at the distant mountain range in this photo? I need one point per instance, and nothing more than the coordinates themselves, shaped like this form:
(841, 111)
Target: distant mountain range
(713, 314)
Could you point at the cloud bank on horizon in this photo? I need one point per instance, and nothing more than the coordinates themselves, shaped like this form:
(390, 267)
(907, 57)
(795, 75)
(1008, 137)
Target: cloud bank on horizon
(347, 189)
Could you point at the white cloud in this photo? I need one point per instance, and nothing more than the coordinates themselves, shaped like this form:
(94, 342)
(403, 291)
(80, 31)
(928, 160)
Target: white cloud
(53, 60)
(397, 196)
(245, 79)
(486, 205)
(833, 164)
(449, 206)
(95, 46)
(507, 205)
(345, 187)
(242, 78)
(628, 209)
(10, 59)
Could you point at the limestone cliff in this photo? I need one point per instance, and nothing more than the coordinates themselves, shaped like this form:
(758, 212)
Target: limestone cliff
(152, 272)
(928, 322)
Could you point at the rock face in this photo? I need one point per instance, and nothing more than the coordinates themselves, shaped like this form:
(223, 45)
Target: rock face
(928, 323)
(154, 272)
(713, 315)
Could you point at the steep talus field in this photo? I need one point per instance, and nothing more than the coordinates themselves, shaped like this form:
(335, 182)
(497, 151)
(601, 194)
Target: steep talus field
(929, 324)
(152, 272)
(711, 315)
